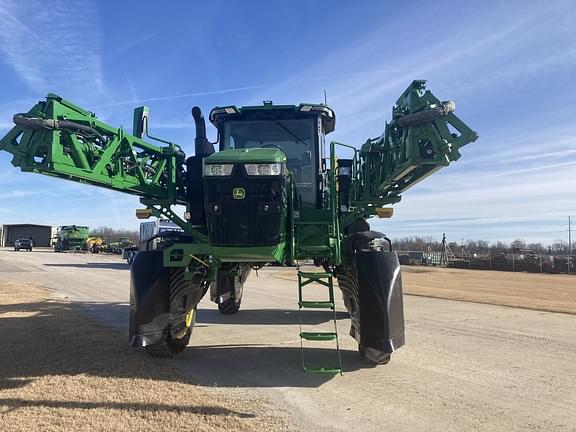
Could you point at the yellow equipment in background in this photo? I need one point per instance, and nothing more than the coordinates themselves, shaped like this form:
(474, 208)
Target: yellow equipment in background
(94, 244)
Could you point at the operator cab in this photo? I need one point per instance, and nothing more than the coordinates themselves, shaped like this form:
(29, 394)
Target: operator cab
(298, 131)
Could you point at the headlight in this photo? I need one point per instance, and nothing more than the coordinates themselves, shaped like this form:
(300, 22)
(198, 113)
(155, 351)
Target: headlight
(218, 169)
(268, 169)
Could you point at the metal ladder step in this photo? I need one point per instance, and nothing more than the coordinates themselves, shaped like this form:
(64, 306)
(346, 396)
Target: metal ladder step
(318, 336)
(316, 304)
(324, 279)
(322, 370)
(314, 275)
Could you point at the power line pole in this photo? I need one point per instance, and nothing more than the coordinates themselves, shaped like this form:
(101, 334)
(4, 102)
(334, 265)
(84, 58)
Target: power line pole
(569, 244)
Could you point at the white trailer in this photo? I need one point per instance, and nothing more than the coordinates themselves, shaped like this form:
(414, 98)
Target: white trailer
(148, 230)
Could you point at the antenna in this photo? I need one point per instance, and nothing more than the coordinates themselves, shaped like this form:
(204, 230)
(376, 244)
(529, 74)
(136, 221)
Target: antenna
(325, 99)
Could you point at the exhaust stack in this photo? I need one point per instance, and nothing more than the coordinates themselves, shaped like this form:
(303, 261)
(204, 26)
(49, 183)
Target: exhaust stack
(202, 147)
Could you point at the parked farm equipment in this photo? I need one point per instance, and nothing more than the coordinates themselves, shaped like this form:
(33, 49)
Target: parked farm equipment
(71, 238)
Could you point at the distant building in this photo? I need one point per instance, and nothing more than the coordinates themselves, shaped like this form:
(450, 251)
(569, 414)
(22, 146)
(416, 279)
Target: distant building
(41, 235)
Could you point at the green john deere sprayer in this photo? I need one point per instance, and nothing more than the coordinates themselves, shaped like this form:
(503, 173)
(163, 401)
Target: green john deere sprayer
(273, 193)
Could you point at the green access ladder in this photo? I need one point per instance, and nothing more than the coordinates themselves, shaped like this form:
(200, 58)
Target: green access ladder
(325, 279)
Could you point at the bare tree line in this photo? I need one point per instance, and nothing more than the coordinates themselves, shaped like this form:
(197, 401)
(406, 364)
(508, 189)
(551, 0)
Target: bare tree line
(417, 243)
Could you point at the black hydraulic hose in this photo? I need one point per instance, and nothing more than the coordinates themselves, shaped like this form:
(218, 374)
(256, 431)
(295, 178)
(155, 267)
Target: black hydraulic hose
(422, 117)
(38, 123)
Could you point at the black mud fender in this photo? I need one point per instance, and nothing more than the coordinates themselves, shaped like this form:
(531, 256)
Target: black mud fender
(149, 298)
(381, 304)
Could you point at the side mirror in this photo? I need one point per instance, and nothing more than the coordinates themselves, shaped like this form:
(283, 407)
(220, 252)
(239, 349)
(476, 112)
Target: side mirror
(140, 122)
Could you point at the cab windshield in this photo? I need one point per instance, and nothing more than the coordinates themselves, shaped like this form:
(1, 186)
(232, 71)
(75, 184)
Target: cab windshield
(295, 137)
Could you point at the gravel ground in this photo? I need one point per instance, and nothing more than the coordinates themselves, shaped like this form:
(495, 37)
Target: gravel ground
(465, 366)
(59, 371)
(545, 292)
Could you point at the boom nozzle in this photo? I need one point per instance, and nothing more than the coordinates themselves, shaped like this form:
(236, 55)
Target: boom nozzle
(202, 146)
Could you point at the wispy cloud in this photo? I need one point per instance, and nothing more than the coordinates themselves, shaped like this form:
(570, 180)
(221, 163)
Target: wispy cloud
(173, 125)
(18, 194)
(8, 109)
(123, 47)
(131, 86)
(483, 55)
(548, 155)
(49, 47)
(532, 169)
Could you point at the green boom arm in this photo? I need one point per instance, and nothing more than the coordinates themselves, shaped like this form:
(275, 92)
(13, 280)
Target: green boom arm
(60, 139)
(423, 136)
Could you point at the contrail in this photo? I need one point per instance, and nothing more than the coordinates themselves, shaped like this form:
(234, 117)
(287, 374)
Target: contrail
(27, 30)
(238, 89)
(180, 96)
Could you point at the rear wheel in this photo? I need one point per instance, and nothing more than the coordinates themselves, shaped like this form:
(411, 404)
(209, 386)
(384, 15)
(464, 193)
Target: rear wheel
(229, 287)
(229, 307)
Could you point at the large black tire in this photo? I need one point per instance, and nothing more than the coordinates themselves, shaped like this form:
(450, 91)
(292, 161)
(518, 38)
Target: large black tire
(227, 285)
(181, 299)
(169, 347)
(374, 356)
(348, 282)
(229, 307)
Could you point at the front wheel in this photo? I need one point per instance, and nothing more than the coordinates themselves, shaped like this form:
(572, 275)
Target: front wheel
(374, 356)
(371, 286)
(169, 346)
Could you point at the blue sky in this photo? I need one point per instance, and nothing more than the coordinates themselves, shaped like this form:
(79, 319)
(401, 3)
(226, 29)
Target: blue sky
(510, 67)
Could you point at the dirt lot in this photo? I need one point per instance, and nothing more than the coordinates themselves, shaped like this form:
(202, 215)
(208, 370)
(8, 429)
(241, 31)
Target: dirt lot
(65, 363)
(61, 372)
(553, 293)
(544, 292)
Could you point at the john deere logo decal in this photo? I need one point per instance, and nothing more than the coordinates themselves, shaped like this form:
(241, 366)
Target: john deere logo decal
(239, 193)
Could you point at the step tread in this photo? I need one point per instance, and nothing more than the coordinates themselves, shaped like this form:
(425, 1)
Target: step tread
(322, 370)
(318, 336)
(316, 304)
(314, 275)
